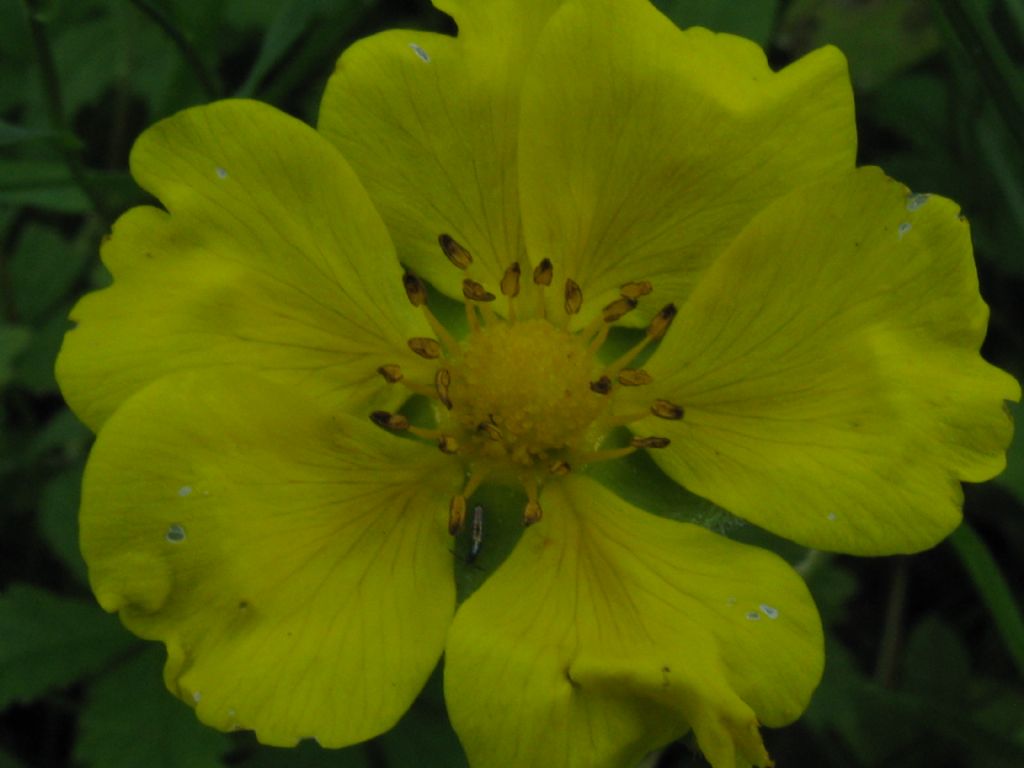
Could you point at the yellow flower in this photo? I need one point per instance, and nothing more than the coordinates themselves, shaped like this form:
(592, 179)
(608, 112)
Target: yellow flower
(559, 167)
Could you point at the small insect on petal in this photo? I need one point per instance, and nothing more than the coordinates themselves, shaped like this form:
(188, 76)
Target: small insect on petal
(478, 534)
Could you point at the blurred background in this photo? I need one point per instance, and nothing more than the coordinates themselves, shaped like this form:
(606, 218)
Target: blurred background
(925, 654)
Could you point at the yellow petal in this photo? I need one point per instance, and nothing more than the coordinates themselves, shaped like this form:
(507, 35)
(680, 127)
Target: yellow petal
(294, 562)
(430, 123)
(271, 258)
(829, 371)
(609, 632)
(644, 149)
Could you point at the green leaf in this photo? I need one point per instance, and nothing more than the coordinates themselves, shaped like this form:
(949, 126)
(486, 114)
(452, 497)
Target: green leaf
(879, 37)
(752, 19)
(13, 340)
(424, 738)
(8, 761)
(42, 270)
(994, 591)
(131, 720)
(48, 641)
(308, 754)
(15, 134)
(288, 25)
(936, 664)
(34, 370)
(58, 519)
(832, 587)
(42, 183)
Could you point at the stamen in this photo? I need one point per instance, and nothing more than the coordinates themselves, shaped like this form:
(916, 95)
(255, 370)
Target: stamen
(426, 348)
(426, 434)
(510, 281)
(456, 254)
(415, 290)
(665, 409)
(650, 442)
(473, 291)
(636, 290)
(438, 328)
(573, 297)
(391, 373)
(543, 273)
(442, 381)
(532, 513)
(448, 444)
(634, 377)
(618, 308)
(594, 457)
(490, 430)
(560, 468)
(456, 514)
(394, 422)
(661, 322)
(602, 386)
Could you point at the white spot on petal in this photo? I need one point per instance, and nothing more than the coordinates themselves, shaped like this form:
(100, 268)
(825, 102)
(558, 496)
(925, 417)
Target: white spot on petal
(424, 56)
(221, 173)
(769, 611)
(753, 616)
(185, 490)
(175, 534)
(196, 696)
(232, 713)
(916, 201)
(731, 601)
(831, 517)
(903, 229)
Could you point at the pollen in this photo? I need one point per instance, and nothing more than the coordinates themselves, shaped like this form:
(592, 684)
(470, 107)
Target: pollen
(529, 383)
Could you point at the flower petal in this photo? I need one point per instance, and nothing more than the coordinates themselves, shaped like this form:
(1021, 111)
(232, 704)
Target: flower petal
(644, 149)
(610, 631)
(430, 123)
(272, 257)
(828, 367)
(293, 561)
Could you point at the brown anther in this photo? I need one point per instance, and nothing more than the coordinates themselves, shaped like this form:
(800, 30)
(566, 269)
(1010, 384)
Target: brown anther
(391, 373)
(634, 377)
(532, 513)
(573, 297)
(425, 347)
(473, 291)
(456, 514)
(442, 381)
(490, 430)
(650, 442)
(448, 444)
(618, 308)
(395, 422)
(510, 280)
(636, 290)
(664, 409)
(543, 272)
(659, 325)
(560, 468)
(602, 386)
(456, 254)
(414, 289)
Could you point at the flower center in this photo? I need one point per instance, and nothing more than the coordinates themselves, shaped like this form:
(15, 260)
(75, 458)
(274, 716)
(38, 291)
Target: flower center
(524, 398)
(530, 381)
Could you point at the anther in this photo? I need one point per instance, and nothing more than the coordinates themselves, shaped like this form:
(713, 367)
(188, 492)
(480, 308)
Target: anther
(543, 272)
(560, 468)
(659, 325)
(650, 442)
(425, 347)
(617, 309)
(664, 409)
(395, 422)
(634, 377)
(602, 386)
(490, 430)
(391, 373)
(448, 444)
(510, 281)
(414, 289)
(532, 513)
(636, 290)
(456, 254)
(573, 297)
(442, 381)
(473, 291)
(456, 514)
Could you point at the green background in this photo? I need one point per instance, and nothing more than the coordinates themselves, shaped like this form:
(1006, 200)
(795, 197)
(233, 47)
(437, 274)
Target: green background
(925, 654)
